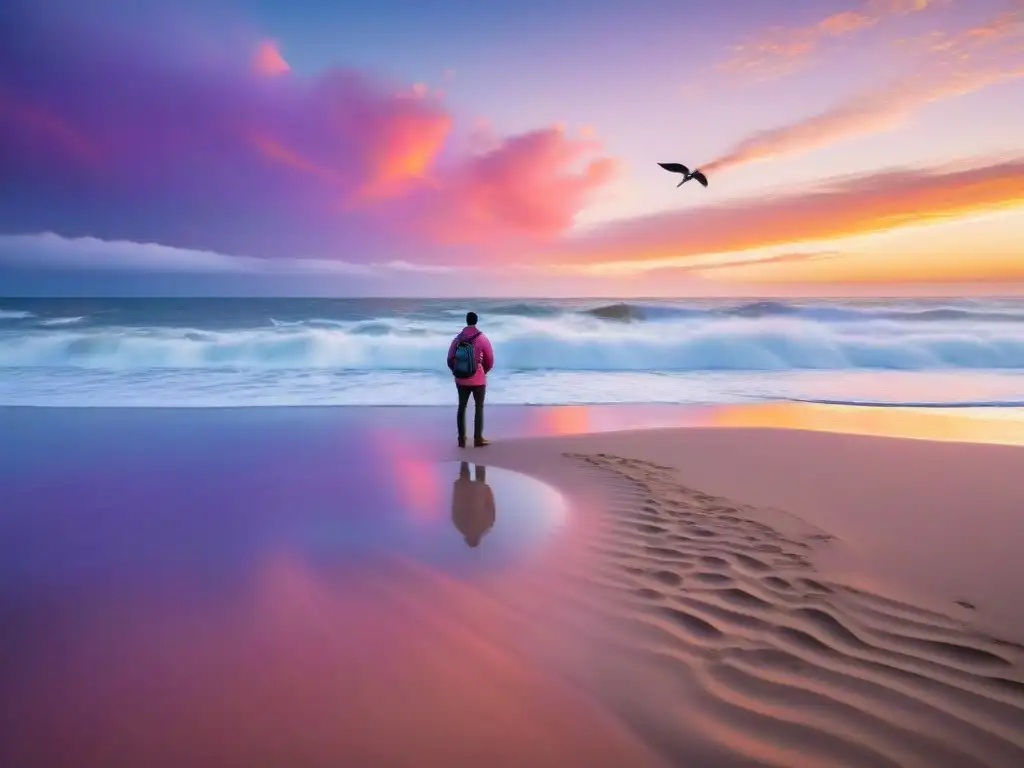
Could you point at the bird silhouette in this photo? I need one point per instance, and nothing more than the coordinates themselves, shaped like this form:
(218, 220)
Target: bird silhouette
(687, 173)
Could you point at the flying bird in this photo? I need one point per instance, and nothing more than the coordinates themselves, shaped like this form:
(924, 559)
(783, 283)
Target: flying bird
(687, 174)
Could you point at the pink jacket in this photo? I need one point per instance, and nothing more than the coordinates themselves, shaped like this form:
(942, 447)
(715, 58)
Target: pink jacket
(484, 357)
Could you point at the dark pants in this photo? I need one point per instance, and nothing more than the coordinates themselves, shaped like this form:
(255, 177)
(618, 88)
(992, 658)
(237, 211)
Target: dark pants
(478, 410)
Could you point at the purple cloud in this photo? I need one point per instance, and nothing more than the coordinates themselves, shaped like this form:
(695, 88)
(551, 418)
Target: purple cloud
(118, 133)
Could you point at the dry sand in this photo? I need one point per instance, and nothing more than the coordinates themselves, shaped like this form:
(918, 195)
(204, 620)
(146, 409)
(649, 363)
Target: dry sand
(798, 598)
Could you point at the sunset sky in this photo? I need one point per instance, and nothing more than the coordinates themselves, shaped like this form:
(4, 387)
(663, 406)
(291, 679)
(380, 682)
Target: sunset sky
(225, 147)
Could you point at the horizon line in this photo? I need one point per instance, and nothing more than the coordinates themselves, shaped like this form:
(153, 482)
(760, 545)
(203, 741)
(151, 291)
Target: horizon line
(618, 298)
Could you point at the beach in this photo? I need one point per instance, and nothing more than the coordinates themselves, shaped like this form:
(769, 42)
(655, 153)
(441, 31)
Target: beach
(752, 585)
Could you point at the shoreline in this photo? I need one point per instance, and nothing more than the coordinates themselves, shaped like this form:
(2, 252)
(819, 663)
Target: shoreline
(999, 426)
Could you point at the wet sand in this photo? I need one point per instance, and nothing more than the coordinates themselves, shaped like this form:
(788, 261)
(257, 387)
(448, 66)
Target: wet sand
(324, 586)
(283, 587)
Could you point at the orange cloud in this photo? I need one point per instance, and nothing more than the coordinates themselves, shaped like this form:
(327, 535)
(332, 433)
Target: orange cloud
(268, 60)
(874, 268)
(397, 149)
(782, 50)
(1004, 27)
(841, 208)
(404, 149)
(964, 61)
(782, 258)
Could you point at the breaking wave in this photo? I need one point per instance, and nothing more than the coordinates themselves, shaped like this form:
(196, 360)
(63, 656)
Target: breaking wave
(591, 340)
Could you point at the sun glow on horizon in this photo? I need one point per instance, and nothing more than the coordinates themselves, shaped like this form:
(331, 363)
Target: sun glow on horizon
(978, 247)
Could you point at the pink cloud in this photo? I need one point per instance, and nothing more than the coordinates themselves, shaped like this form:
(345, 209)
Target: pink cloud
(780, 51)
(222, 151)
(530, 186)
(953, 63)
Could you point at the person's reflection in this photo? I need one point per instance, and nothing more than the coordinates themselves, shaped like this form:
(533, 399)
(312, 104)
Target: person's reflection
(472, 504)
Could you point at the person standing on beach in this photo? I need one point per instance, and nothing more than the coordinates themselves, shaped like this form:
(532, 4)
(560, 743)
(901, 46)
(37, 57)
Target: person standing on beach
(470, 359)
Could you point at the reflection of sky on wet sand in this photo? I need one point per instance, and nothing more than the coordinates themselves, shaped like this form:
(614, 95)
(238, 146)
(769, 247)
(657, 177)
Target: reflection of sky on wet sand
(141, 521)
(294, 586)
(520, 513)
(232, 588)
(399, 665)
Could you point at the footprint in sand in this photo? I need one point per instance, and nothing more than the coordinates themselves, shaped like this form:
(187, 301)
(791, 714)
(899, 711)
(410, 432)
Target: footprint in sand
(798, 661)
(648, 594)
(704, 533)
(752, 563)
(777, 583)
(668, 577)
(668, 554)
(649, 528)
(706, 577)
(714, 562)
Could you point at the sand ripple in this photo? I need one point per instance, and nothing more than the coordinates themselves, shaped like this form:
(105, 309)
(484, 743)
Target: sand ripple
(784, 667)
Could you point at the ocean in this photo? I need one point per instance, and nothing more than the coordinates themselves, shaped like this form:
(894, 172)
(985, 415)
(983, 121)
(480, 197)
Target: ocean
(273, 352)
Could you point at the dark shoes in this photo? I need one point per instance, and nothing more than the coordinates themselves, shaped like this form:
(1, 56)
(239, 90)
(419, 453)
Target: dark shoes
(477, 443)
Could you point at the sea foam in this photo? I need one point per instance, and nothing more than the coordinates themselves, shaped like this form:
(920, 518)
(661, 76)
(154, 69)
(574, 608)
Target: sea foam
(571, 342)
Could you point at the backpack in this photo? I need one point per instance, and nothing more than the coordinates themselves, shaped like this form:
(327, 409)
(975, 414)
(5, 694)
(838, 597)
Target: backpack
(464, 359)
